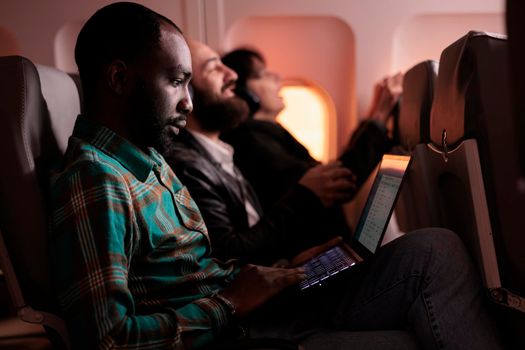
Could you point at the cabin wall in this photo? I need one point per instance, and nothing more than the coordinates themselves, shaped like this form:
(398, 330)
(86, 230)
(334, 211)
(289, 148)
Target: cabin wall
(374, 26)
(35, 23)
(386, 36)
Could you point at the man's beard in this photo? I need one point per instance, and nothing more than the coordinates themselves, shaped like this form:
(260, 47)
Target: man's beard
(150, 128)
(216, 114)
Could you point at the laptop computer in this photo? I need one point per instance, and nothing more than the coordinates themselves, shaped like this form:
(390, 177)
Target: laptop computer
(370, 228)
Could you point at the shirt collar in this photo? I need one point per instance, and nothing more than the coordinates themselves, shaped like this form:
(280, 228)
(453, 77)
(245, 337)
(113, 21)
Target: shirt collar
(221, 152)
(130, 156)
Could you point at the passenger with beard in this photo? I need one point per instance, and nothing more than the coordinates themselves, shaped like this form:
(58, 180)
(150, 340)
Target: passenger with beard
(130, 252)
(237, 225)
(270, 157)
(422, 282)
(129, 249)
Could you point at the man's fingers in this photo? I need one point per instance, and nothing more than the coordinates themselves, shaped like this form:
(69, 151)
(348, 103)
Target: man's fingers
(287, 277)
(341, 185)
(342, 172)
(314, 251)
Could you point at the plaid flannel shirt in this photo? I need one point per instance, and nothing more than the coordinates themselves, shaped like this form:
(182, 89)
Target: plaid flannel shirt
(129, 249)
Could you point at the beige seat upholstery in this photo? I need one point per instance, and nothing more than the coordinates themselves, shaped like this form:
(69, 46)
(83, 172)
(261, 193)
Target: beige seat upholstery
(472, 162)
(413, 209)
(38, 107)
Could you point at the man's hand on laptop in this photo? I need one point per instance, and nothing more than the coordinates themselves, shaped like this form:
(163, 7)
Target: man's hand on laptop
(255, 285)
(331, 183)
(308, 254)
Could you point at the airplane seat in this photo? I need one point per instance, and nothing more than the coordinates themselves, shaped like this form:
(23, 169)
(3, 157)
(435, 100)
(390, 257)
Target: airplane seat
(416, 102)
(412, 209)
(38, 106)
(472, 158)
(78, 84)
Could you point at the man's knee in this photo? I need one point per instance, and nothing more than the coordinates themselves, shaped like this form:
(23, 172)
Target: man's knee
(442, 244)
(438, 238)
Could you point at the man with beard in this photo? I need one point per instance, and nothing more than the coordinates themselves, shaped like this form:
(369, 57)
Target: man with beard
(270, 157)
(238, 227)
(422, 282)
(130, 252)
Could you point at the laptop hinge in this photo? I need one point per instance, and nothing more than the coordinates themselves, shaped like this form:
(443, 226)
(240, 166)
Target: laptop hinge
(506, 298)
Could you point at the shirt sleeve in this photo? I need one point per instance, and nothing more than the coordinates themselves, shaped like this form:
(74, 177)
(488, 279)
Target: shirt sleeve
(92, 243)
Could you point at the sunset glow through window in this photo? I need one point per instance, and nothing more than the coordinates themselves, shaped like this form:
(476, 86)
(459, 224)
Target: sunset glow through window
(306, 117)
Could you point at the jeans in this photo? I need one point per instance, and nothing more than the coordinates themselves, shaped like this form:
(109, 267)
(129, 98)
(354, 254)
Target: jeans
(423, 282)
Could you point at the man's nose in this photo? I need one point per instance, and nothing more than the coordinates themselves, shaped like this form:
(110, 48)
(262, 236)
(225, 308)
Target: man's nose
(185, 106)
(229, 74)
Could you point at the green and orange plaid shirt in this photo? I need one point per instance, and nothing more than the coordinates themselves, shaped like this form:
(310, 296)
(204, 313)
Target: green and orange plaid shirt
(129, 249)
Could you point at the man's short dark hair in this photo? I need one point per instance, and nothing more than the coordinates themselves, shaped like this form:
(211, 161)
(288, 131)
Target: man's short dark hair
(242, 62)
(122, 30)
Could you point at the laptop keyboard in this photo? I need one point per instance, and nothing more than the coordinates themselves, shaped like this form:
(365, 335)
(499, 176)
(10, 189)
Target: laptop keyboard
(325, 265)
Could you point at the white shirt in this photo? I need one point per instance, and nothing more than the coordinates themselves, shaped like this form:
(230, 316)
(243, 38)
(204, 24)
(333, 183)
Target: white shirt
(222, 153)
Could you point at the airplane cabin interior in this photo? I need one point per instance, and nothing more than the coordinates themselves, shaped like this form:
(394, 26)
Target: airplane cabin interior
(460, 116)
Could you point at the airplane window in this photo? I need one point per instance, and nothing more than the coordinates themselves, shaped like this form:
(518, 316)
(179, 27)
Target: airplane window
(287, 43)
(306, 116)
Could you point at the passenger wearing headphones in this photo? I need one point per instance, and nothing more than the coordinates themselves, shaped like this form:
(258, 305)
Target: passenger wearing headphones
(422, 282)
(238, 227)
(269, 156)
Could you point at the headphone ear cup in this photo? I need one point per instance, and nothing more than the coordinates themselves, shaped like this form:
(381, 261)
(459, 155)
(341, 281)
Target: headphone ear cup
(253, 101)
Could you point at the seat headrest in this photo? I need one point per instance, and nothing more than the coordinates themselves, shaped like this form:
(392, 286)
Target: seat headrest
(416, 102)
(472, 85)
(62, 96)
(38, 106)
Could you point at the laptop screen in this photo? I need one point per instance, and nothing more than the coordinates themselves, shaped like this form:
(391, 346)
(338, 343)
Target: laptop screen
(371, 226)
(380, 203)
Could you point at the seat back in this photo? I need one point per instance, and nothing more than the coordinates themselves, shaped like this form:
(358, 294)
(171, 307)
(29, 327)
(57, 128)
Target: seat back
(414, 109)
(38, 106)
(413, 209)
(473, 164)
(472, 102)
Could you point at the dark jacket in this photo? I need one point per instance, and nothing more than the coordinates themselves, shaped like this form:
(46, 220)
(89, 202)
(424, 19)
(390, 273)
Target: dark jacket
(272, 160)
(283, 230)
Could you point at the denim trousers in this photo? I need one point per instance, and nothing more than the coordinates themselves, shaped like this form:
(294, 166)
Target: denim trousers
(420, 291)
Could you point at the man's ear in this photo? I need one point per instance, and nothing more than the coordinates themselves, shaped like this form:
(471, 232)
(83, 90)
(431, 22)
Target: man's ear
(117, 76)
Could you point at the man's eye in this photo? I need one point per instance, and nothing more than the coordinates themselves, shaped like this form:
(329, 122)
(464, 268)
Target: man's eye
(177, 82)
